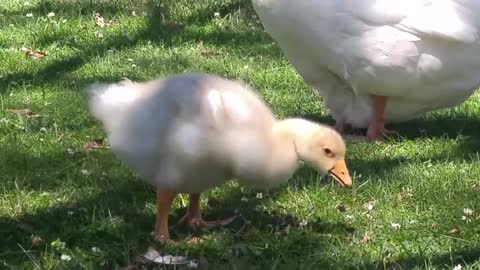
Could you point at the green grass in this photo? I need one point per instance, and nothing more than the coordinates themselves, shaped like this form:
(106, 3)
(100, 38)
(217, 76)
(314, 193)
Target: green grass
(422, 180)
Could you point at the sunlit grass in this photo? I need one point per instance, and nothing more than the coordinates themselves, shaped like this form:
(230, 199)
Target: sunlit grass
(405, 209)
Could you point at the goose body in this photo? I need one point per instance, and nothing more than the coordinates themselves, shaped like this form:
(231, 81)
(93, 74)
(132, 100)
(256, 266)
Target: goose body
(190, 132)
(420, 56)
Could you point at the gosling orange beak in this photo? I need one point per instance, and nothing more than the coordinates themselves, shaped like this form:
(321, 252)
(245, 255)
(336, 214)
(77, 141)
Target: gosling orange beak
(340, 173)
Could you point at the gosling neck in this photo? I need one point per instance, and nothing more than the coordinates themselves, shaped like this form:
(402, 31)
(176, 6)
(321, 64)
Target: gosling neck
(288, 137)
(299, 131)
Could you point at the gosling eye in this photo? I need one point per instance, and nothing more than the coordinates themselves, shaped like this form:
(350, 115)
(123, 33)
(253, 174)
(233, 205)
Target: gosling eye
(328, 152)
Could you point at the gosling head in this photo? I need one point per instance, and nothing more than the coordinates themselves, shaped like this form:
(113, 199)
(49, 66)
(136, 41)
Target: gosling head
(324, 149)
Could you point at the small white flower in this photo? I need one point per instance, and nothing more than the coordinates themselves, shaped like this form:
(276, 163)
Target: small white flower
(64, 21)
(85, 172)
(216, 14)
(413, 221)
(349, 217)
(259, 195)
(464, 218)
(244, 199)
(43, 129)
(192, 264)
(245, 67)
(130, 60)
(58, 245)
(368, 206)
(70, 151)
(457, 267)
(70, 212)
(4, 120)
(467, 211)
(303, 223)
(133, 65)
(144, 13)
(96, 250)
(98, 34)
(369, 216)
(134, 13)
(396, 226)
(29, 15)
(26, 3)
(50, 15)
(65, 257)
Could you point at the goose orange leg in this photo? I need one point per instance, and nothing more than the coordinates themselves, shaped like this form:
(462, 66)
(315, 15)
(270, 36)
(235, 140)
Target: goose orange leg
(193, 217)
(164, 202)
(376, 129)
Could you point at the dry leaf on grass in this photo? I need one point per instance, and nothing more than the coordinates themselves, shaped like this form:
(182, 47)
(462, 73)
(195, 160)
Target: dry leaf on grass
(406, 194)
(365, 239)
(100, 21)
(36, 240)
(453, 231)
(152, 256)
(208, 52)
(35, 54)
(93, 145)
(25, 112)
(195, 241)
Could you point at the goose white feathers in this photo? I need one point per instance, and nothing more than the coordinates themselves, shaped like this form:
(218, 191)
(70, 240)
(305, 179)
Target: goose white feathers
(191, 132)
(377, 61)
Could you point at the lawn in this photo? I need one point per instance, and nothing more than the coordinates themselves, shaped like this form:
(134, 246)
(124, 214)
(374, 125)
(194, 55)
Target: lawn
(415, 203)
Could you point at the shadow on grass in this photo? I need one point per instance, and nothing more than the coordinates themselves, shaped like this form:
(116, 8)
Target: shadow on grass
(440, 126)
(117, 222)
(437, 124)
(107, 220)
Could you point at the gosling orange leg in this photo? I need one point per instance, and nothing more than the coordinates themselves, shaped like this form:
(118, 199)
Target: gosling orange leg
(376, 129)
(164, 202)
(193, 217)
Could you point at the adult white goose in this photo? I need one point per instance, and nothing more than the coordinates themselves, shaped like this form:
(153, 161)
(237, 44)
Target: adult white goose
(191, 132)
(380, 60)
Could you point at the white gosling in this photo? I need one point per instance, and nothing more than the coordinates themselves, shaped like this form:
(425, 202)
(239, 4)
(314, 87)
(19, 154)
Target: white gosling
(188, 133)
